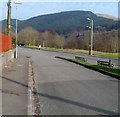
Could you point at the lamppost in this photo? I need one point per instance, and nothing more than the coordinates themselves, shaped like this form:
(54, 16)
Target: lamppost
(17, 3)
(91, 39)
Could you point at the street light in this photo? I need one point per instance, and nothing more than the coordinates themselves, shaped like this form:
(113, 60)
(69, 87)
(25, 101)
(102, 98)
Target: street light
(17, 3)
(91, 40)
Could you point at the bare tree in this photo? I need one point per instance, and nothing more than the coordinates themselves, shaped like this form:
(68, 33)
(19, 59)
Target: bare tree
(29, 36)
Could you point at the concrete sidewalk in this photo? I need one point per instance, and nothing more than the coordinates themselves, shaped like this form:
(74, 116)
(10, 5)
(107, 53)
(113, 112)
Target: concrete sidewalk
(15, 87)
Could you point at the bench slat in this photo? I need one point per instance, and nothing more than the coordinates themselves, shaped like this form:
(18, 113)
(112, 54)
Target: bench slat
(81, 58)
(105, 63)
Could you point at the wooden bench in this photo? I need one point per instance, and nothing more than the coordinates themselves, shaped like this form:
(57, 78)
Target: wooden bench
(81, 58)
(105, 63)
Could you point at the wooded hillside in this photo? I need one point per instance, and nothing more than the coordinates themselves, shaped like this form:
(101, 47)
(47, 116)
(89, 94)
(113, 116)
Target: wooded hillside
(66, 22)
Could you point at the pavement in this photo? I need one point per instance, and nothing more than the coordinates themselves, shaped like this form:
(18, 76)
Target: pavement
(15, 87)
(60, 87)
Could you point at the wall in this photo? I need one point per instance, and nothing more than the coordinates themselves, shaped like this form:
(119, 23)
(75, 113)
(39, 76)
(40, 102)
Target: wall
(6, 51)
(5, 42)
(6, 58)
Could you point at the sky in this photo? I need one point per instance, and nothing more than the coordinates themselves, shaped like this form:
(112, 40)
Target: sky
(30, 9)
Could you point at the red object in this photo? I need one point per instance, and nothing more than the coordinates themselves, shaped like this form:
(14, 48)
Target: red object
(5, 42)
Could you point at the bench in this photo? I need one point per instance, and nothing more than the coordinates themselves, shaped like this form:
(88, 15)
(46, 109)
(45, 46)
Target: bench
(81, 58)
(105, 63)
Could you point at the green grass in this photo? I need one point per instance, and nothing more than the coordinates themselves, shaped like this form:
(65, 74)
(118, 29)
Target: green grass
(32, 47)
(69, 50)
(115, 71)
(110, 55)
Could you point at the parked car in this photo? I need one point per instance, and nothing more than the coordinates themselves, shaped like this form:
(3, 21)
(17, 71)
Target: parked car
(21, 44)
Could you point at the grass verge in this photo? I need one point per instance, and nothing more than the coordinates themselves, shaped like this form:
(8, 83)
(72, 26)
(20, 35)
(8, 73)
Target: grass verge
(32, 47)
(112, 71)
(110, 55)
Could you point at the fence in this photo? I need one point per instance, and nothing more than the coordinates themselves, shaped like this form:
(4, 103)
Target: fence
(5, 42)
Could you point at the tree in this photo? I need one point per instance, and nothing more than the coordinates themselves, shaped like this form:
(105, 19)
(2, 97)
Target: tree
(29, 36)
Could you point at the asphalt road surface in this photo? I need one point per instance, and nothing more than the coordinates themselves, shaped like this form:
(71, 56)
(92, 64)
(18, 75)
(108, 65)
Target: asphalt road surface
(65, 88)
(90, 59)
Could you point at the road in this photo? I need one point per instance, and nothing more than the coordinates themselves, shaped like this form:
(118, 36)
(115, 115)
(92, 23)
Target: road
(65, 88)
(90, 59)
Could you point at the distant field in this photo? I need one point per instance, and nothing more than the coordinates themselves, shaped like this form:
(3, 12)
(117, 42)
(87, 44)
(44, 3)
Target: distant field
(110, 55)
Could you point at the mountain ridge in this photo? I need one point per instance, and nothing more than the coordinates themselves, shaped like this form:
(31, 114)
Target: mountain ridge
(65, 22)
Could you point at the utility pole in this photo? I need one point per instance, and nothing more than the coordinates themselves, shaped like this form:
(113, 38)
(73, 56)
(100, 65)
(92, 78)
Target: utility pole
(9, 17)
(91, 49)
(91, 39)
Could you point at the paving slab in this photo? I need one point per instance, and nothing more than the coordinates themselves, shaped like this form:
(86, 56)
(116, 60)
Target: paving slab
(15, 87)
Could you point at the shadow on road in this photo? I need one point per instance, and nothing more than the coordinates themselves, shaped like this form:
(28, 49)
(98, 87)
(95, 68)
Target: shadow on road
(24, 85)
(79, 104)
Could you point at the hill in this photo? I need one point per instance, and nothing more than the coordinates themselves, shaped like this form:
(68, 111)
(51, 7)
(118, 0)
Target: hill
(65, 22)
(107, 16)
